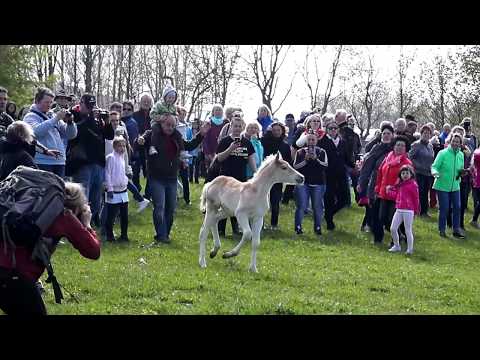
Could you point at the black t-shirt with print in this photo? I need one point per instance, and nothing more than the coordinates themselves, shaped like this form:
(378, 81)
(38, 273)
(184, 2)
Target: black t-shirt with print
(236, 164)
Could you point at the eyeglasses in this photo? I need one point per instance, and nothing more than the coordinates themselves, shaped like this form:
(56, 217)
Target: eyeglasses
(127, 109)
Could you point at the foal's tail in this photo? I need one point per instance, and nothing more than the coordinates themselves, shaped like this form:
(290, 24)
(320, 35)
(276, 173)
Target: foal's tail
(203, 198)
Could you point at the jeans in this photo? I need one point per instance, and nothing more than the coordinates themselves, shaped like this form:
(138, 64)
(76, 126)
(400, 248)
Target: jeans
(275, 197)
(185, 183)
(91, 176)
(56, 169)
(424, 183)
(316, 194)
(164, 196)
(445, 199)
(135, 192)
(112, 214)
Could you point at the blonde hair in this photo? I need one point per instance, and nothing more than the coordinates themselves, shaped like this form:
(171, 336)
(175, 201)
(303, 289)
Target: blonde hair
(264, 107)
(255, 125)
(119, 139)
(311, 117)
(75, 197)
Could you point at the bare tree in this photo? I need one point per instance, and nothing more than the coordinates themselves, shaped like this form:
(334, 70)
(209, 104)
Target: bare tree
(264, 65)
(225, 59)
(406, 85)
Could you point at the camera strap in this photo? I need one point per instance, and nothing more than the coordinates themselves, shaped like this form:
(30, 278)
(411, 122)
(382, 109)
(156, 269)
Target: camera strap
(45, 117)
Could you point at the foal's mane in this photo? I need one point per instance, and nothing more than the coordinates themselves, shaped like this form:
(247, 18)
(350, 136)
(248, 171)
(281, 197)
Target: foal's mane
(268, 160)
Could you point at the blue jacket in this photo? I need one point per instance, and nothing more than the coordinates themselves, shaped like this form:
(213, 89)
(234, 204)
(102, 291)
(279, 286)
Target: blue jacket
(50, 132)
(132, 129)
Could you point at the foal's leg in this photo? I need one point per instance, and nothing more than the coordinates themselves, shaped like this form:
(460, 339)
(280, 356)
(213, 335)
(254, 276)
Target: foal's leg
(257, 224)
(216, 238)
(247, 233)
(208, 221)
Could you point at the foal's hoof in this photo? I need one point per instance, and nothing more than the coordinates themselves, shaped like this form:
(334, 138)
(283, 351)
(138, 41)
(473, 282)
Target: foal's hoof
(213, 253)
(228, 254)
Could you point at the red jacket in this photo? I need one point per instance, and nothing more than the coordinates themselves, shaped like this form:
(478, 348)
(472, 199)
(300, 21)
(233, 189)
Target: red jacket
(388, 173)
(406, 196)
(65, 225)
(475, 169)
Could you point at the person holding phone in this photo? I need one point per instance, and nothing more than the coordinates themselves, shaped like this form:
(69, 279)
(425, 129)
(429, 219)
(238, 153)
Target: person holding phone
(51, 129)
(233, 154)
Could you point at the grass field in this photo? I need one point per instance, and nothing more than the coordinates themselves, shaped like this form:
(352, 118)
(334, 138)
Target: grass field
(341, 272)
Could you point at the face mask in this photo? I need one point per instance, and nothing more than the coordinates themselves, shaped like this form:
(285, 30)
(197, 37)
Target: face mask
(217, 120)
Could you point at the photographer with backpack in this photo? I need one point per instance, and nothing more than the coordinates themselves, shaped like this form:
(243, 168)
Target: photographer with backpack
(27, 245)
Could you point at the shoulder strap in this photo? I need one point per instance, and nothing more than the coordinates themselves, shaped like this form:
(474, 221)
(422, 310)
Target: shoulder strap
(43, 116)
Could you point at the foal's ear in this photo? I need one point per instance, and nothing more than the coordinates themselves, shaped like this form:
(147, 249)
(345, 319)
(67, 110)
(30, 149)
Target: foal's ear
(279, 156)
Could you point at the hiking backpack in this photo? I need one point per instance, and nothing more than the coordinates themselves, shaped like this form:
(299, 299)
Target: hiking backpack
(30, 201)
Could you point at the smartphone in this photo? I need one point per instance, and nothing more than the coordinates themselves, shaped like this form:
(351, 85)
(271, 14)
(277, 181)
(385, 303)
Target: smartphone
(311, 149)
(237, 139)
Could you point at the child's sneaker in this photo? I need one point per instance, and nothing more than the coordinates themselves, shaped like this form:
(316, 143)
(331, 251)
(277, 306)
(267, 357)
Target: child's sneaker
(395, 248)
(142, 205)
(152, 151)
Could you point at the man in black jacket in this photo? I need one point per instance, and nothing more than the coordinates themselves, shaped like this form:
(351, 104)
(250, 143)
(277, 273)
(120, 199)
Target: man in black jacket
(139, 162)
(336, 195)
(86, 153)
(5, 119)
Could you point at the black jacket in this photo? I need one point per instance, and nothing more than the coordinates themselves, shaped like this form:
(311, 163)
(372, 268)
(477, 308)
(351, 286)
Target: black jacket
(143, 120)
(15, 154)
(371, 163)
(348, 135)
(5, 120)
(158, 165)
(91, 136)
(337, 156)
(271, 145)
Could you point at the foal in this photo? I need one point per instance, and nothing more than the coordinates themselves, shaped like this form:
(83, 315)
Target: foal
(247, 201)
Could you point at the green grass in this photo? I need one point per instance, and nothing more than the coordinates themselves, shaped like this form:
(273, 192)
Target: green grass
(340, 273)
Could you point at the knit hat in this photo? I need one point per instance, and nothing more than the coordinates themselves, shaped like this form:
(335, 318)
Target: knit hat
(168, 89)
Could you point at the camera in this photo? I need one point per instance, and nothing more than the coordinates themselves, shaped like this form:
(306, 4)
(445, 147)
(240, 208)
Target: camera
(103, 114)
(311, 150)
(237, 139)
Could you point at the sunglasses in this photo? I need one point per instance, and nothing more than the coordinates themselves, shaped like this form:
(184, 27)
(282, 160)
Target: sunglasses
(127, 109)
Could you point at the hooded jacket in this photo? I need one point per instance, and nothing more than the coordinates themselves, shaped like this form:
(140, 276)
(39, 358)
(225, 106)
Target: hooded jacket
(406, 195)
(388, 173)
(161, 107)
(446, 168)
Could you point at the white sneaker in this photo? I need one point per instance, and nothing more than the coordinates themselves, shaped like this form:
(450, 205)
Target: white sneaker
(409, 252)
(395, 248)
(142, 205)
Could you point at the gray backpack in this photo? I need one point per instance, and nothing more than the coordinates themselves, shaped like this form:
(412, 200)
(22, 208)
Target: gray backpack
(30, 201)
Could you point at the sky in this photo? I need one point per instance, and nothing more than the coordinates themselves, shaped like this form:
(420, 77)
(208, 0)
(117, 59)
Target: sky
(386, 56)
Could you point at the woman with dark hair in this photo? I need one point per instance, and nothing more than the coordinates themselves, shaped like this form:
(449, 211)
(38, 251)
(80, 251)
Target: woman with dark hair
(368, 174)
(274, 141)
(23, 111)
(12, 110)
(387, 175)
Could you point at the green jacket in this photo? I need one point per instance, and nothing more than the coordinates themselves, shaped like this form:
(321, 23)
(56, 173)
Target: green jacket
(161, 108)
(447, 165)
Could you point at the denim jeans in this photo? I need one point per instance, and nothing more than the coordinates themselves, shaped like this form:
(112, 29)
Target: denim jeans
(56, 169)
(444, 200)
(133, 189)
(303, 194)
(138, 164)
(164, 196)
(91, 176)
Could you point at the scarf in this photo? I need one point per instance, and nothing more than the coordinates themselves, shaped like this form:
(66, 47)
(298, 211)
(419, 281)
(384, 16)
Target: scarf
(217, 120)
(336, 141)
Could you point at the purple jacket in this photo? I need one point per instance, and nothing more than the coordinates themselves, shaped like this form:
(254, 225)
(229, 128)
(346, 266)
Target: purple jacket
(210, 142)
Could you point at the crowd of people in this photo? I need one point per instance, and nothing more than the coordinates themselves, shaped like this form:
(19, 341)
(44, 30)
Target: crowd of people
(101, 155)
